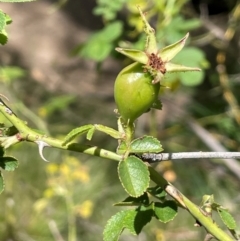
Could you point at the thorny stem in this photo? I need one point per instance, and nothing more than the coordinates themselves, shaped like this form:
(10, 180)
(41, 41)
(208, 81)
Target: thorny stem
(27, 134)
(193, 209)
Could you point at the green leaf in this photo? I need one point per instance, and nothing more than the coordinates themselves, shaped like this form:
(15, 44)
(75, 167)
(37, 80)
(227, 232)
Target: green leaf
(192, 57)
(108, 9)
(157, 192)
(9, 73)
(90, 133)
(179, 24)
(166, 211)
(8, 19)
(100, 44)
(192, 78)
(146, 144)
(134, 176)
(76, 132)
(2, 20)
(2, 185)
(227, 218)
(112, 31)
(96, 50)
(3, 37)
(134, 201)
(8, 163)
(109, 131)
(133, 220)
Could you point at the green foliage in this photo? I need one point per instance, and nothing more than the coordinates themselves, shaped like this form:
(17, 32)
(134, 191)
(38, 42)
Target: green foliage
(90, 129)
(101, 43)
(192, 57)
(227, 218)
(170, 27)
(141, 145)
(134, 201)
(4, 21)
(10, 73)
(165, 212)
(209, 205)
(108, 9)
(8, 163)
(109, 131)
(145, 144)
(77, 132)
(157, 192)
(133, 220)
(177, 27)
(134, 176)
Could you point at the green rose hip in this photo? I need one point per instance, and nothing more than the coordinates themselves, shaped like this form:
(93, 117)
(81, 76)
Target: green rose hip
(134, 92)
(137, 86)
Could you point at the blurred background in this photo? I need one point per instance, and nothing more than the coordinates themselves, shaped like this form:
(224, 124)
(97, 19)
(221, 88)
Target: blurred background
(58, 70)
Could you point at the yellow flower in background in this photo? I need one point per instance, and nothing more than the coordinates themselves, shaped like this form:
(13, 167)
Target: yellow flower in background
(52, 168)
(85, 209)
(82, 175)
(72, 161)
(48, 193)
(159, 234)
(64, 170)
(79, 172)
(63, 178)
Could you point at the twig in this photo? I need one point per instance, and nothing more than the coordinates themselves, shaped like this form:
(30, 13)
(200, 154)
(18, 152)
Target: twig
(28, 134)
(153, 157)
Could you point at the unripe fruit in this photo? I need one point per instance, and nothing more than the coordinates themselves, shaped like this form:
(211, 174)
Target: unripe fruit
(134, 92)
